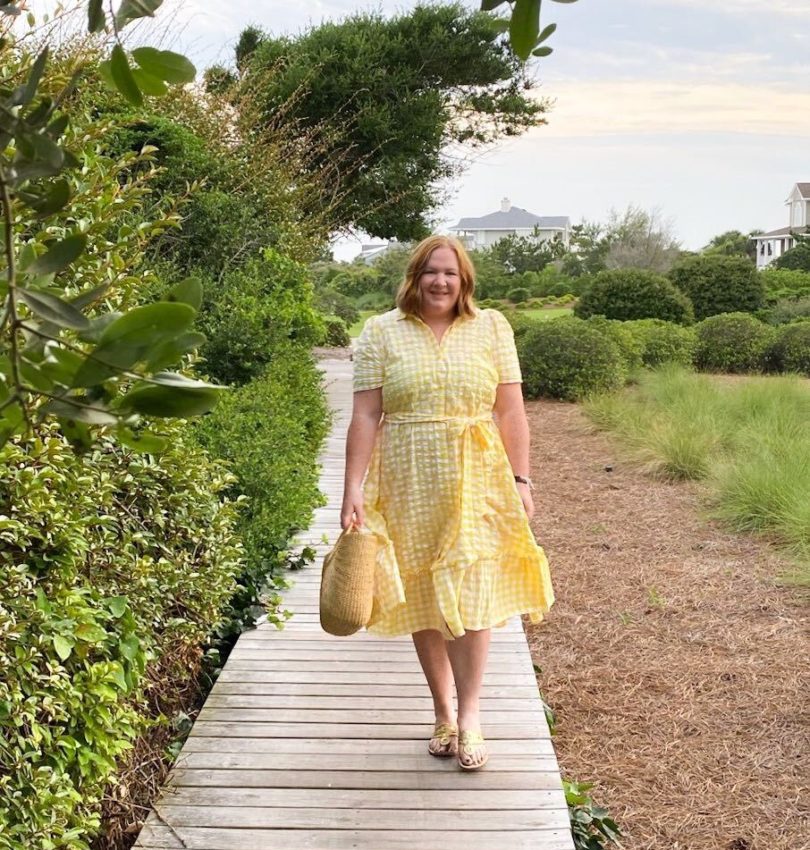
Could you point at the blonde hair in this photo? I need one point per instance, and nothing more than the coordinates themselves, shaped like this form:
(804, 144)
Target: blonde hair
(409, 295)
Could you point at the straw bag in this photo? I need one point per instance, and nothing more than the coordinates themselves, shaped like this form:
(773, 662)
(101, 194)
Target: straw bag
(347, 582)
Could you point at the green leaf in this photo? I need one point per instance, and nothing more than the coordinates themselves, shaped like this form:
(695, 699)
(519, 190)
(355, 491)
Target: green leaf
(77, 434)
(130, 10)
(165, 65)
(148, 84)
(142, 441)
(489, 5)
(122, 76)
(547, 31)
(105, 71)
(53, 309)
(172, 400)
(61, 364)
(79, 411)
(90, 295)
(543, 51)
(59, 256)
(188, 291)
(33, 375)
(117, 604)
(95, 16)
(129, 646)
(132, 337)
(171, 351)
(524, 27)
(34, 77)
(54, 196)
(63, 646)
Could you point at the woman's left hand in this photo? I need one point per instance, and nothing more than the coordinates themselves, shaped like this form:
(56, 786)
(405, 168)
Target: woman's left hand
(526, 496)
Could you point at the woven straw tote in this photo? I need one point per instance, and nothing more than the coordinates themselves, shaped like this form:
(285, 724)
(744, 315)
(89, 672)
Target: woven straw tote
(347, 582)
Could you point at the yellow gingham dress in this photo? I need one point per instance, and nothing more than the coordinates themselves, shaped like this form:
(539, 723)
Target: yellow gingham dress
(457, 550)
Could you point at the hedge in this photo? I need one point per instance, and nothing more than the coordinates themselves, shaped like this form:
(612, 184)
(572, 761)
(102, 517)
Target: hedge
(626, 294)
(732, 342)
(663, 342)
(789, 350)
(719, 284)
(109, 563)
(568, 359)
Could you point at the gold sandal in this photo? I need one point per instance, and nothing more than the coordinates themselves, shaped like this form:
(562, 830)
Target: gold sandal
(468, 744)
(447, 736)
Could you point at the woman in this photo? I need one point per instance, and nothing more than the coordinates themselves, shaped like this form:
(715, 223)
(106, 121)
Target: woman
(447, 490)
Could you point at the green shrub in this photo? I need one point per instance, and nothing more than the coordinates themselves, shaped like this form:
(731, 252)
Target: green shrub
(798, 257)
(518, 295)
(732, 342)
(333, 303)
(634, 294)
(256, 308)
(110, 563)
(270, 431)
(520, 322)
(786, 310)
(664, 342)
(629, 343)
(337, 334)
(568, 359)
(719, 284)
(785, 283)
(789, 350)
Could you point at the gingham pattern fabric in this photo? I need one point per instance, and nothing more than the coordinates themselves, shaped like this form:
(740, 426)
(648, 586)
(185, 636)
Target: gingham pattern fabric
(457, 550)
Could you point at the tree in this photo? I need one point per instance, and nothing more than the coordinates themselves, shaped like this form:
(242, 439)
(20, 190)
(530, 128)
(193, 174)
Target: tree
(519, 254)
(717, 284)
(733, 243)
(797, 258)
(388, 98)
(639, 239)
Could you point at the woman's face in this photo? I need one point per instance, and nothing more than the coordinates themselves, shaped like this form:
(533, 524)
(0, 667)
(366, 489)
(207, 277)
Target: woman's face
(440, 282)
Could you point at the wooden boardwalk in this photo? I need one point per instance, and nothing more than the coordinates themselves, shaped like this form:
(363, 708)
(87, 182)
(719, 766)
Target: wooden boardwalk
(313, 742)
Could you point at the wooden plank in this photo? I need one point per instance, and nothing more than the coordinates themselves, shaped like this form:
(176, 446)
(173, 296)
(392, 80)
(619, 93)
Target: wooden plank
(535, 747)
(349, 703)
(245, 729)
(446, 820)
(423, 799)
(218, 777)
(156, 836)
(492, 678)
(367, 690)
(370, 668)
(383, 716)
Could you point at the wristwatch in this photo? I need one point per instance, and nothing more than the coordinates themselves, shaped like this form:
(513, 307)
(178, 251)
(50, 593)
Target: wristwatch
(525, 480)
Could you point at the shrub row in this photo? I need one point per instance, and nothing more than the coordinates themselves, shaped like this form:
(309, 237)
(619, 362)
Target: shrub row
(571, 358)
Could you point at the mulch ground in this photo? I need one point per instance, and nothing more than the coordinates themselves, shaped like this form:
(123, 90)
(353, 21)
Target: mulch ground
(676, 666)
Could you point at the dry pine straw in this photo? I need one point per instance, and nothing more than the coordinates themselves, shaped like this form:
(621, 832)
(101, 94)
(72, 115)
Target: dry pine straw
(676, 667)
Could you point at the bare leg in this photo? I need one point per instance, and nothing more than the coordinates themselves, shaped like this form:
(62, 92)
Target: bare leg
(468, 659)
(431, 648)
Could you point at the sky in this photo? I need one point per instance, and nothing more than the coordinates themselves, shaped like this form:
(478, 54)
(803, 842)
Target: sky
(698, 109)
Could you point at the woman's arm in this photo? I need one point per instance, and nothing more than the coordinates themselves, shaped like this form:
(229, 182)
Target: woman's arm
(514, 428)
(366, 413)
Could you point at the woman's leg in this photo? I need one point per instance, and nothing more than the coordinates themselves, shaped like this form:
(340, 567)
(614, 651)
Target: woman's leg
(468, 660)
(432, 652)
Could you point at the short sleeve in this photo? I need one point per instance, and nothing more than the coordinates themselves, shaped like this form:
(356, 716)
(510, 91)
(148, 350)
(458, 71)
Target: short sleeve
(369, 367)
(504, 351)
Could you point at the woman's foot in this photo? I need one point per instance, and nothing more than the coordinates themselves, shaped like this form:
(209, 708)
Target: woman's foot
(472, 750)
(444, 741)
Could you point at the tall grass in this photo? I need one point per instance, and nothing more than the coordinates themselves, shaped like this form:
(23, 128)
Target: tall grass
(748, 441)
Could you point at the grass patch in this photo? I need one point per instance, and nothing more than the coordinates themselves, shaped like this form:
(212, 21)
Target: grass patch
(354, 330)
(547, 313)
(748, 441)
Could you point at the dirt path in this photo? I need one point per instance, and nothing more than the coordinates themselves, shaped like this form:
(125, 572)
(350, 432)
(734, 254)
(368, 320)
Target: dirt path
(677, 669)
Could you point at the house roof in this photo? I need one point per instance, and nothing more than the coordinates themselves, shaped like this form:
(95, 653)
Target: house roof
(782, 231)
(804, 189)
(513, 219)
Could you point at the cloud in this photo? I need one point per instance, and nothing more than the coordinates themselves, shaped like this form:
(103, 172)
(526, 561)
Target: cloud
(651, 107)
(799, 8)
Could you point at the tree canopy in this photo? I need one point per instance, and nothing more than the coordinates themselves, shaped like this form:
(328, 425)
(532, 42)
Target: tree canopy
(388, 97)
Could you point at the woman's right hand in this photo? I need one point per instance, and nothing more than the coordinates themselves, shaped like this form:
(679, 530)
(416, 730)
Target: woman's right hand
(352, 509)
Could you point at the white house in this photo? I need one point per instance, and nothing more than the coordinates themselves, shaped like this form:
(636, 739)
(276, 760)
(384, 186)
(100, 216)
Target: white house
(774, 244)
(488, 229)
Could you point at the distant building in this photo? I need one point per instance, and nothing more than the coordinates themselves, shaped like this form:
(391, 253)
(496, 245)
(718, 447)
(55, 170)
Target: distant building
(488, 229)
(772, 245)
